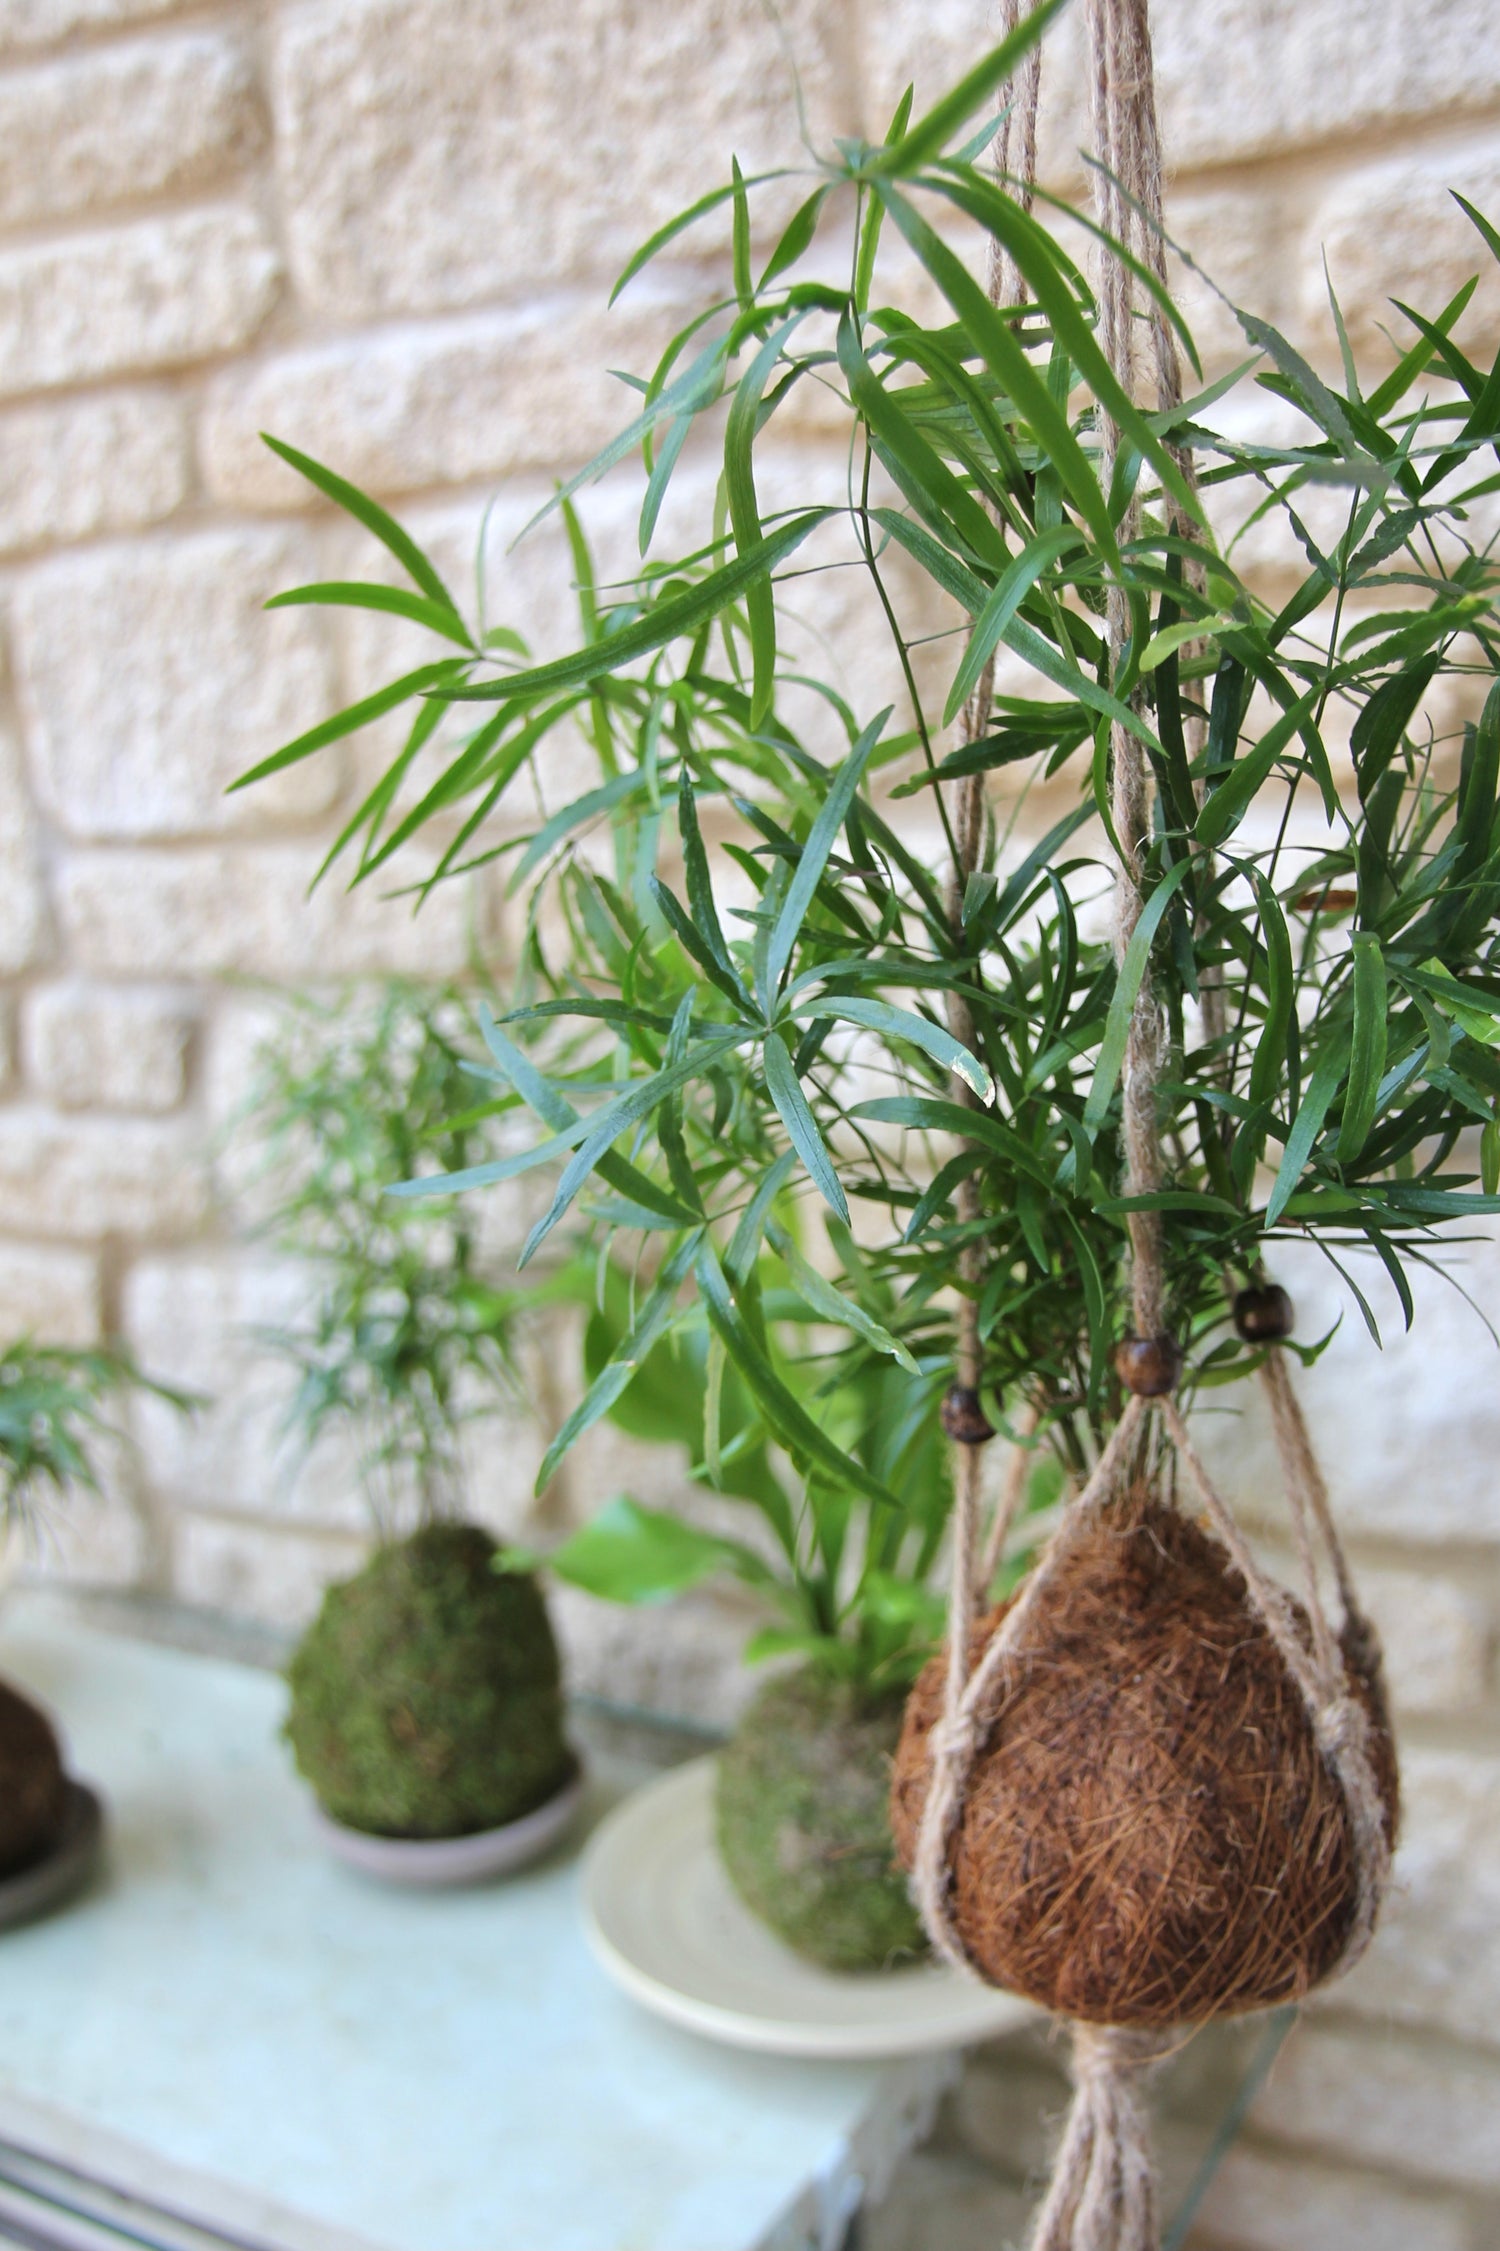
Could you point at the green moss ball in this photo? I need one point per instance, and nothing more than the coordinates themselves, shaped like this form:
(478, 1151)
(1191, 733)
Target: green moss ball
(426, 1697)
(802, 1822)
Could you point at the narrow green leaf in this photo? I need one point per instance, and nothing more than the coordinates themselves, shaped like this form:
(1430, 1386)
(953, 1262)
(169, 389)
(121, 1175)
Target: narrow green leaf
(1223, 807)
(1306, 1126)
(796, 236)
(625, 1360)
(903, 1024)
(664, 621)
(785, 1090)
(803, 1439)
(351, 719)
(744, 287)
(869, 233)
(369, 512)
(617, 1117)
(988, 630)
(1367, 1050)
(359, 594)
(1127, 986)
(833, 1305)
(1489, 1158)
(815, 852)
(744, 509)
(1270, 1049)
(656, 243)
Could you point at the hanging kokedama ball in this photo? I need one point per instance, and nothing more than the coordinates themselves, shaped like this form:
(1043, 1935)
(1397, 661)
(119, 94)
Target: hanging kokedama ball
(1150, 1834)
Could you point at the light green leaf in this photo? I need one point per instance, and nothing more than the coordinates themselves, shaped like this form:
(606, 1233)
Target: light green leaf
(903, 1024)
(822, 837)
(792, 1108)
(831, 1302)
(1127, 987)
(639, 1555)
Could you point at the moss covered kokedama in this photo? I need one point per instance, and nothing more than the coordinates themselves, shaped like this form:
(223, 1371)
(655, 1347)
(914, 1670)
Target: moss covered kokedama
(33, 1787)
(802, 1821)
(426, 1695)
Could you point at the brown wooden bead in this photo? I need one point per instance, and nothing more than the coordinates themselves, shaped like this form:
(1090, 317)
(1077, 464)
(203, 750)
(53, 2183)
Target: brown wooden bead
(1148, 1366)
(1264, 1314)
(964, 1420)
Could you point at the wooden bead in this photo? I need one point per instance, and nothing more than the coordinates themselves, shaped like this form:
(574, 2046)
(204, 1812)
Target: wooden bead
(1149, 1366)
(1264, 1314)
(964, 1420)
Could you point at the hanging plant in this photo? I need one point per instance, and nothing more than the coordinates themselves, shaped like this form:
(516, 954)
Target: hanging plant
(1087, 1147)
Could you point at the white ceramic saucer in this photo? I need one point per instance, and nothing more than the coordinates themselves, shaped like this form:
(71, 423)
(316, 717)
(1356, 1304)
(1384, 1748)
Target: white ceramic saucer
(441, 1863)
(662, 1919)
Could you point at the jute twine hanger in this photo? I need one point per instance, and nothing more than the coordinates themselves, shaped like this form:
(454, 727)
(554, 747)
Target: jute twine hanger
(1103, 2196)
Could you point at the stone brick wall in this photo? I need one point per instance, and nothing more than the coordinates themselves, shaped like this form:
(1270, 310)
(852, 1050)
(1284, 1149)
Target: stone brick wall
(385, 230)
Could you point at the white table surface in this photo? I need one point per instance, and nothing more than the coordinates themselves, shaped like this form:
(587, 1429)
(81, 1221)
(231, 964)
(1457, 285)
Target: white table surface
(229, 2022)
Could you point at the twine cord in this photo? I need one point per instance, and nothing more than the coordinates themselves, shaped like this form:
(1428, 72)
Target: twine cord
(1102, 2195)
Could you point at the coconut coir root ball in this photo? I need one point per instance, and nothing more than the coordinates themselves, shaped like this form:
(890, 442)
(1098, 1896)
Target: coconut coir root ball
(33, 1787)
(1150, 1835)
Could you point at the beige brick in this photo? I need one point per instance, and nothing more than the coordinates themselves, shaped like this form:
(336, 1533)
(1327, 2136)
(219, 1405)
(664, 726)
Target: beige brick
(152, 677)
(1257, 2202)
(90, 465)
(151, 117)
(154, 293)
(437, 152)
(1394, 231)
(1367, 2097)
(84, 1177)
(49, 1293)
(1437, 1638)
(202, 1322)
(1407, 1435)
(249, 1571)
(246, 910)
(40, 23)
(91, 1047)
(1434, 1960)
(24, 925)
(435, 404)
(1240, 78)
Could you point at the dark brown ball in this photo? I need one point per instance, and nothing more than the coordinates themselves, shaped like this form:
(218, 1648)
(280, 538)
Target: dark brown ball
(1150, 1835)
(1149, 1366)
(964, 1419)
(1264, 1314)
(33, 1787)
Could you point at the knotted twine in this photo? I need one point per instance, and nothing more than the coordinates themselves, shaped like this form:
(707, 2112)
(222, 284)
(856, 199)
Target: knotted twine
(1103, 2192)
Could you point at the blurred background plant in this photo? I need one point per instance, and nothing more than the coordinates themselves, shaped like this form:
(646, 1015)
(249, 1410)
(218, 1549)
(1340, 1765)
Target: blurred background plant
(56, 1425)
(409, 1339)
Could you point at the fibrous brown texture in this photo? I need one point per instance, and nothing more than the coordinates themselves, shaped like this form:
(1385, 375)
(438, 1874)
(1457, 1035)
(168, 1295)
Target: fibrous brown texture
(33, 1788)
(1151, 1835)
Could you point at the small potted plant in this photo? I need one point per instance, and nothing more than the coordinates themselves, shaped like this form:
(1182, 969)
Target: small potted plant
(52, 1428)
(801, 1790)
(426, 1703)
